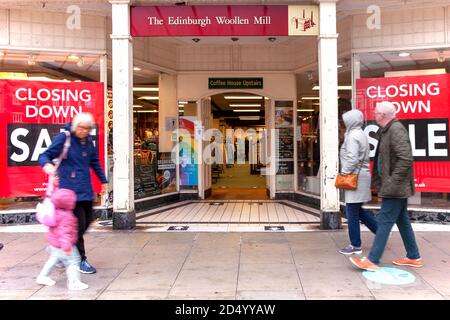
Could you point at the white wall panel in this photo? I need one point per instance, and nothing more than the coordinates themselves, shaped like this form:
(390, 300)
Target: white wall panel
(48, 30)
(235, 58)
(3, 26)
(402, 28)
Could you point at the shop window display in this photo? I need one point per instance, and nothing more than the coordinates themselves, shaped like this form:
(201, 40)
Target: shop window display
(308, 146)
(188, 166)
(308, 157)
(154, 172)
(30, 123)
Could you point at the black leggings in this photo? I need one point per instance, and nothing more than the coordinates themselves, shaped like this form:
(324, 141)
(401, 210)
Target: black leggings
(83, 212)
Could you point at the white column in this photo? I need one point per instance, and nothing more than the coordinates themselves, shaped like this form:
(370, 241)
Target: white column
(124, 216)
(104, 79)
(329, 153)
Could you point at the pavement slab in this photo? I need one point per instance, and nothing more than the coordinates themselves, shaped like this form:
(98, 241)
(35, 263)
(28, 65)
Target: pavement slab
(148, 265)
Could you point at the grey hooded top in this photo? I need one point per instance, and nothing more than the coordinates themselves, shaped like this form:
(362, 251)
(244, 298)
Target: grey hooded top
(354, 157)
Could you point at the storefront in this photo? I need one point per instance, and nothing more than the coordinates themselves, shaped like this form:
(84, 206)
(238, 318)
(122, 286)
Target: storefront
(235, 22)
(166, 64)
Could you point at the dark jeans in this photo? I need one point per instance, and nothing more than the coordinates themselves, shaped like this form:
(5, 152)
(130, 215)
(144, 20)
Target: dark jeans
(83, 212)
(355, 212)
(393, 211)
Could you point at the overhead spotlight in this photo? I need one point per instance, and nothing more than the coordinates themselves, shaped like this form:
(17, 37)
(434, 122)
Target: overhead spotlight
(196, 40)
(234, 39)
(180, 3)
(309, 75)
(271, 39)
(31, 60)
(73, 57)
(441, 57)
(80, 62)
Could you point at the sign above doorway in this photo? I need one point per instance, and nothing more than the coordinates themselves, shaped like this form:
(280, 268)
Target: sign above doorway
(224, 20)
(235, 83)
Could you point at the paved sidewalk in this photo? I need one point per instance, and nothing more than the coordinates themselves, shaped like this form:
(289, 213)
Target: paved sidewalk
(216, 265)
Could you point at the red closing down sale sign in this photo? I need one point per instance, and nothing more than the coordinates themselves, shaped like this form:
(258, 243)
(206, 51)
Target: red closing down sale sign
(31, 113)
(422, 105)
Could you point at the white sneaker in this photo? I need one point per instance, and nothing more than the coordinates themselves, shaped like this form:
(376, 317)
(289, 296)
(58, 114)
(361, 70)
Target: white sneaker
(46, 281)
(77, 285)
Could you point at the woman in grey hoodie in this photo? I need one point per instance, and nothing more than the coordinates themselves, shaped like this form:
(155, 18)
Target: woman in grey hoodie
(354, 157)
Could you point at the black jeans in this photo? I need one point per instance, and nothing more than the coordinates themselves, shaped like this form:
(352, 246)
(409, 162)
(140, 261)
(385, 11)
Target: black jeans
(83, 212)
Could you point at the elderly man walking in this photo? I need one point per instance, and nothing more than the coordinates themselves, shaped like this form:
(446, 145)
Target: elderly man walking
(393, 177)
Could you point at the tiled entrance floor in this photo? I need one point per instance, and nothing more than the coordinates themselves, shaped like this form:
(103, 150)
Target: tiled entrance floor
(237, 213)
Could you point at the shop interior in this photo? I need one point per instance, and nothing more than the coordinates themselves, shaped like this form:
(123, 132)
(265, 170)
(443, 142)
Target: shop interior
(240, 118)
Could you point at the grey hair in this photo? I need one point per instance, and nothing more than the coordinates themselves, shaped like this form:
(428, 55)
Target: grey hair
(387, 108)
(83, 117)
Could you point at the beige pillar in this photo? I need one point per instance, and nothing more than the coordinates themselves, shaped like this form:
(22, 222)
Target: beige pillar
(168, 110)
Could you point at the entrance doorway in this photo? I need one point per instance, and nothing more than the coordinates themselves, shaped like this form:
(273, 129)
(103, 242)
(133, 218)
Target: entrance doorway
(239, 171)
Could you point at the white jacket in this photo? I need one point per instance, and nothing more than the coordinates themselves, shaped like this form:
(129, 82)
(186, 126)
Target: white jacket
(354, 155)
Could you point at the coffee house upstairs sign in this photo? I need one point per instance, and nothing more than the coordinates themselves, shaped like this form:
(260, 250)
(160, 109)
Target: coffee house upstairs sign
(223, 20)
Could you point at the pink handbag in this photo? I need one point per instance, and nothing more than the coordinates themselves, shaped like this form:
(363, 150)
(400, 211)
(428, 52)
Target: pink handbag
(45, 210)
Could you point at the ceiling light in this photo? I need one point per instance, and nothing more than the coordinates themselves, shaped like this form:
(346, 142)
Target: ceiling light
(44, 78)
(183, 102)
(73, 57)
(305, 110)
(145, 89)
(243, 97)
(245, 105)
(80, 62)
(31, 60)
(248, 110)
(2, 53)
(404, 54)
(339, 88)
(137, 106)
(249, 117)
(136, 69)
(148, 98)
(147, 111)
(310, 98)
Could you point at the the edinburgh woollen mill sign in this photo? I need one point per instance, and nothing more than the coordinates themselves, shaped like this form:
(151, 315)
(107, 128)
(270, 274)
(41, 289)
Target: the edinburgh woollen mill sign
(223, 20)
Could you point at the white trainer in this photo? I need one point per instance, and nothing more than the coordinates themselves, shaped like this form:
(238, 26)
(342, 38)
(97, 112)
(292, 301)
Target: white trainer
(46, 281)
(77, 285)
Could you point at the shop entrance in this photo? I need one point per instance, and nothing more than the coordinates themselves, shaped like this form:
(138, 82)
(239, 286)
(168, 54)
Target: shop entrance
(238, 128)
